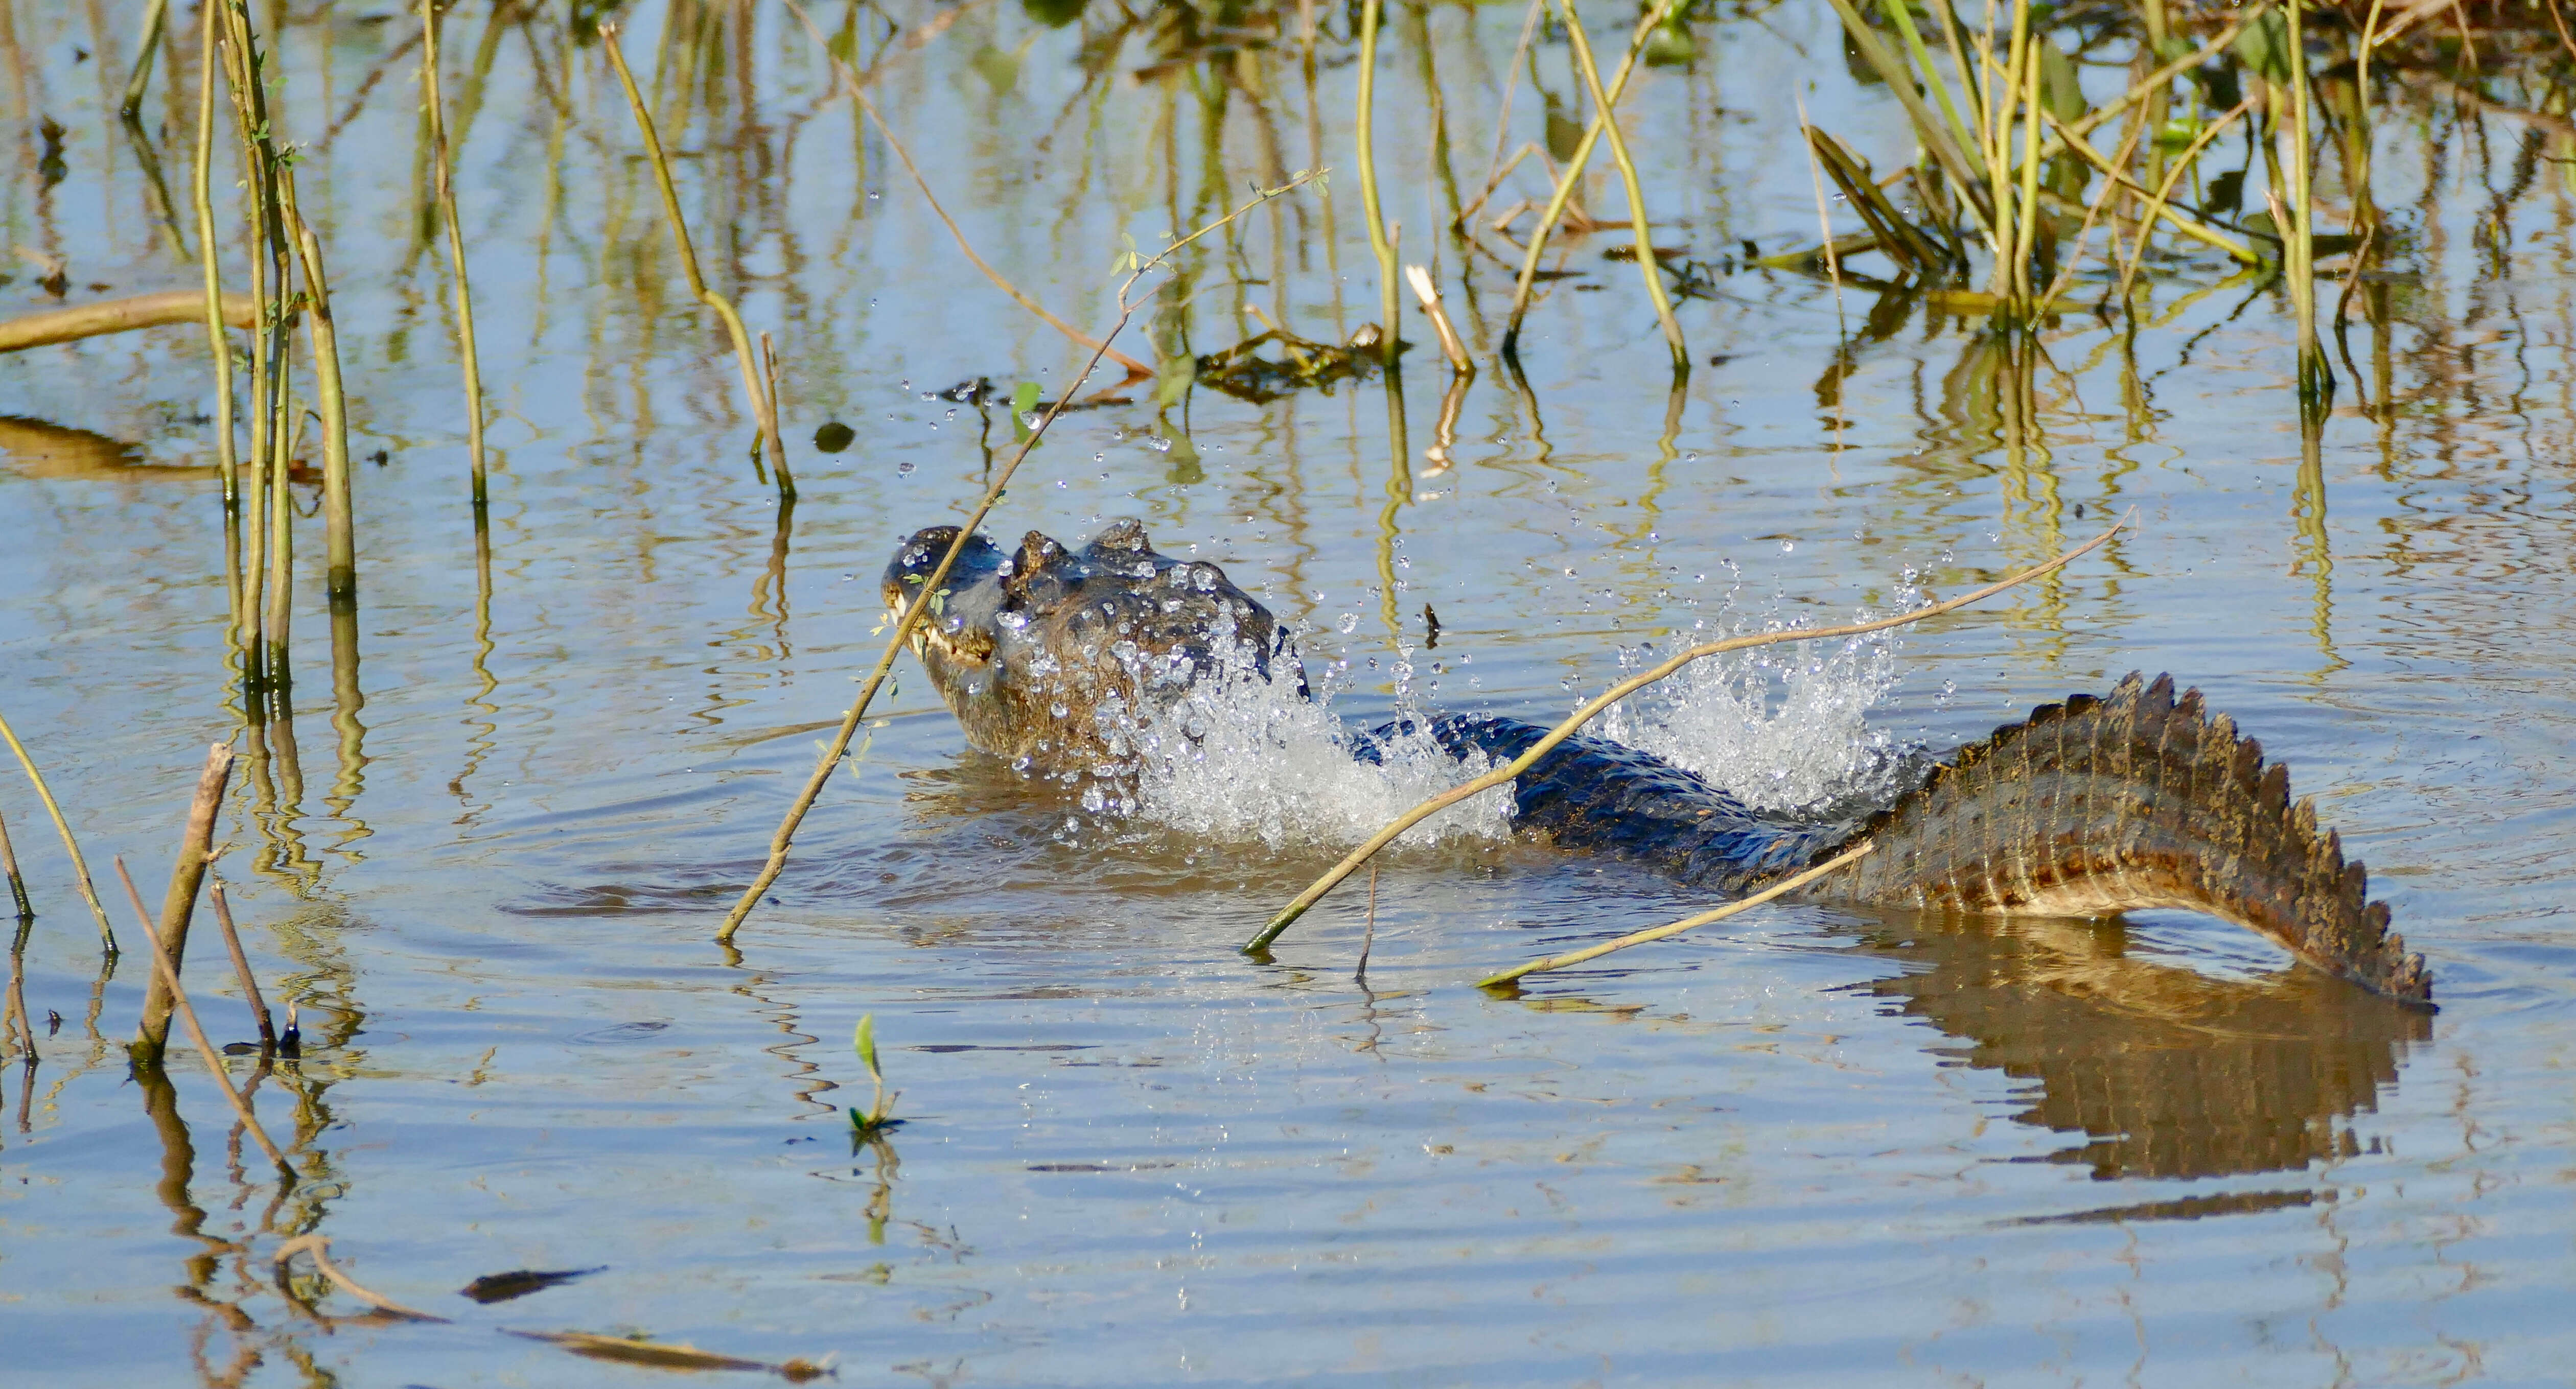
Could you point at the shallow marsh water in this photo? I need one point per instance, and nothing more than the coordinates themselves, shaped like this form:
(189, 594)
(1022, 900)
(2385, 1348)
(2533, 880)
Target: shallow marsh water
(1807, 1146)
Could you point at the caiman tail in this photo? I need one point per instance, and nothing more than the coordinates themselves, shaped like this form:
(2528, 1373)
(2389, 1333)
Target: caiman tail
(2133, 801)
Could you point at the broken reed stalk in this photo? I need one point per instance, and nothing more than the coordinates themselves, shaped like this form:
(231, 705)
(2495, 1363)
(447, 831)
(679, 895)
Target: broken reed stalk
(850, 79)
(179, 904)
(80, 866)
(1639, 227)
(1451, 345)
(1503, 775)
(2298, 250)
(769, 374)
(763, 409)
(339, 523)
(1364, 135)
(165, 975)
(241, 967)
(1572, 177)
(434, 109)
(218, 343)
(318, 1248)
(1742, 904)
(919, 607)
(17, 884)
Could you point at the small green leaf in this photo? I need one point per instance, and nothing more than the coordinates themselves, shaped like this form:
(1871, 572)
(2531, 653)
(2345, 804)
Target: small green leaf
(864, 1041)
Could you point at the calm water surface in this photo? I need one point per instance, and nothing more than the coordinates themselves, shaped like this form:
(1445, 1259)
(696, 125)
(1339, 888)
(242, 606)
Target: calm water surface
(1807, 1146)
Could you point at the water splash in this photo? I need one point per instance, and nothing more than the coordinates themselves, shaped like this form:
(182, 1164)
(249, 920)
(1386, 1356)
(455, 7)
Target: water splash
(1238, 757)
(1782, 727)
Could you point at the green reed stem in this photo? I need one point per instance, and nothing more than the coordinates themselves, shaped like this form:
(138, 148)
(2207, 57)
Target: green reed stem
(339, 523)
(2299, 261)
(762, 407)
(140, 80)
(1572, 177)
(1365, 135)
(1643, 230)
(80, 866)
(218, 342)
(434, 110)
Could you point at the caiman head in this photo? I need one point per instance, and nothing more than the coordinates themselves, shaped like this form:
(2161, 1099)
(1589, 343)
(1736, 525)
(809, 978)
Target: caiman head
(1057, 658)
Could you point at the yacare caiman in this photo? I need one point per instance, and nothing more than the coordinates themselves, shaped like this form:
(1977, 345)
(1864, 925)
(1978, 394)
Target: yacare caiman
(1058, 659)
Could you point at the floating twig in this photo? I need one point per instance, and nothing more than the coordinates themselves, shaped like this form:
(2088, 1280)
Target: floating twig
(318, 1248)
(1503, 775)
(634, 1350)
(1593, 952)
(121, 316)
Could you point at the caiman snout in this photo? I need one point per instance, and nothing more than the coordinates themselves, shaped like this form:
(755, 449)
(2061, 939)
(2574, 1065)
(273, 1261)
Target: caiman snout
(1055, 657)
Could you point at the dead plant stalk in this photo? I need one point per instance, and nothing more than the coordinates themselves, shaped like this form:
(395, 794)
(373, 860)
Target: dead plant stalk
(919, 608)
(166, 975)
(1136, 370)
(1572, 176)
(1503, 775)
(179, 904)
(80, 866)
(1777, 890)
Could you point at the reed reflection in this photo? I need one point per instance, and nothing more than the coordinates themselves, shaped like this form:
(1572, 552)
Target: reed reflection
(2164, 1072)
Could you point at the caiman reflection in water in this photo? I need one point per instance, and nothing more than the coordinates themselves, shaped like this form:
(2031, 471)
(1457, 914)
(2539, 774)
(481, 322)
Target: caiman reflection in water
(2167, 1072)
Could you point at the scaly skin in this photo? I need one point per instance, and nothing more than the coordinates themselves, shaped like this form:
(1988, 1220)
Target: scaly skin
(2132, 801)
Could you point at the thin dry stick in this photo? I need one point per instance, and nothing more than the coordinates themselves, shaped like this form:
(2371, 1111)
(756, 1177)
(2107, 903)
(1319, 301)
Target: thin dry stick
(1647, 265)
(320, 1249)
(179, 904)
(1567, 181)
(1824, 217)
(80, 866)
(2084, 234)
(339, 524)
(2234, 249)
(1368, 937)
(17, 884)
(1136, 370)
(167, 976)
(2173, 175)
(688, 254)
(919, 608)
(1503, 775)
(1495, 169)
(1776, 890)
(241, 966)
(1451, 345)
(216, 302)
(434, 109)
(769, 374)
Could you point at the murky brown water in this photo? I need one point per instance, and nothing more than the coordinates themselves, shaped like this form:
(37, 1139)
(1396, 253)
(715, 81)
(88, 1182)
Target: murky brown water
(1806, 1146)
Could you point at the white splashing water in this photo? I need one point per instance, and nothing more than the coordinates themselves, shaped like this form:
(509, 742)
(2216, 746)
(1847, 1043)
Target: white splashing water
(1782, 727)
(1241, 758)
